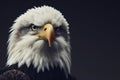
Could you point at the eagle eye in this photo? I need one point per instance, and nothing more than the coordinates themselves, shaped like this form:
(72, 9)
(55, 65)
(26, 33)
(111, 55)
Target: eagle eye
(59, 29)
(34, 28)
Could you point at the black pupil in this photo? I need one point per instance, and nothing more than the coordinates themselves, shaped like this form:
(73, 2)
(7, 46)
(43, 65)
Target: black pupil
(33, 27)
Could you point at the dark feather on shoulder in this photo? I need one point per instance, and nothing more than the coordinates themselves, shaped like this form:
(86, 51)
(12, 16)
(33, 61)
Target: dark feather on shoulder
(14, 75)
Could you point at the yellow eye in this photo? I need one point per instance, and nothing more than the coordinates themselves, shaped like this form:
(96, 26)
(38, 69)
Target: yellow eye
(34, 28)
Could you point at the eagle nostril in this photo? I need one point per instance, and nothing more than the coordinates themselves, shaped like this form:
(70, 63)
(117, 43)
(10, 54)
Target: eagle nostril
(45, 29)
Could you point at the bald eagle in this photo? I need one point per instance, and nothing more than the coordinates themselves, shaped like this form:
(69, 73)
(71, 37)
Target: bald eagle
(39, 46)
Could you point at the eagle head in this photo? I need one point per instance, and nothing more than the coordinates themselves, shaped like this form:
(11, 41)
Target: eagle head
(40, 37)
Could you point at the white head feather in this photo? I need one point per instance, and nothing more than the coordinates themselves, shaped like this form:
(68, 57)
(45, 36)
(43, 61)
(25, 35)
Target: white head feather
(23, 48)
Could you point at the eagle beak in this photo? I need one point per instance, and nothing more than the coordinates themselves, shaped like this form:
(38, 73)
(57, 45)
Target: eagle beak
(47, 33)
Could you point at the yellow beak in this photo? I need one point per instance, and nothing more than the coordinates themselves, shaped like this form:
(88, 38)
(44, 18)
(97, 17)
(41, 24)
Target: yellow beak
(47, 33)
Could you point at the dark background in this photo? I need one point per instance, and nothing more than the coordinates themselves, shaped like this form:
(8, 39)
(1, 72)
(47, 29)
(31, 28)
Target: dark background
(95, 34)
